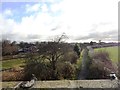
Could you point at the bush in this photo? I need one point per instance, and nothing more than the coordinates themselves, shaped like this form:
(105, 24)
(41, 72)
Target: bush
(76, 49)
(41, 70)
(101, 66)
(66, 71)
(12, 75)
(96, 71)
(70, 57)
(101, 55)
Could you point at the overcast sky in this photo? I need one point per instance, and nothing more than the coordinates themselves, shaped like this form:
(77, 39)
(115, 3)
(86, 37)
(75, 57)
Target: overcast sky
(80, 20)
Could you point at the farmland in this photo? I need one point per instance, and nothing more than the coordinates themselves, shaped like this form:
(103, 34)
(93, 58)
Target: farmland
(67, 60)
(113, 52)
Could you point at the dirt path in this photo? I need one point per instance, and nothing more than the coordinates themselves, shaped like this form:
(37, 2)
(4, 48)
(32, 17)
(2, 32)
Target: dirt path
(84, 71)
(91, 51)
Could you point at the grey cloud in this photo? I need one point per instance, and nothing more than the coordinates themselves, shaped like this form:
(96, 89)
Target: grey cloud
(18, 37)
(13, 37)
(110, 36)
(8, 36)
(31, 36)
(95, 26)
(105, 23)
(55, 28)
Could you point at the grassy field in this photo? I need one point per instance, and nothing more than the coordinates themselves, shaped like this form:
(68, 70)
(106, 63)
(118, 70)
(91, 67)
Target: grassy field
(113, 52)
(12, 63)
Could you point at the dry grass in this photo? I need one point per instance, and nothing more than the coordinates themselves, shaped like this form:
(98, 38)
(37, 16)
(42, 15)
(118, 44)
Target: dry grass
(12, 75)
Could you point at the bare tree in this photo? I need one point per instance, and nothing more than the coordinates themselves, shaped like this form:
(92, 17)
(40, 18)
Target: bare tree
(53, 51)
(9, 47)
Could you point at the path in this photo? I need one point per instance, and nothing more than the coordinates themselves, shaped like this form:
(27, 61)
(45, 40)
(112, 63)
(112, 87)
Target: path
(84, 71)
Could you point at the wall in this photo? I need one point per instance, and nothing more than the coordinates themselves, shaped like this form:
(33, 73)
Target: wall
(69, 84)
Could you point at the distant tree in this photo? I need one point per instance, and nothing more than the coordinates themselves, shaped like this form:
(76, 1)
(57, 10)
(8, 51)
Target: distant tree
(24, 44)
(9, 47)
(82, 46)
(76, 49)
(21, 44)
(37, 43)
(14, 47)
(13, 43)
(6, 47)
(100, 42)
(91, 43)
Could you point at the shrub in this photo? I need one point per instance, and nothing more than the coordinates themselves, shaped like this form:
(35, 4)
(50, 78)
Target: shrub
(76, 49)
(96, 71)
(101, 55)
(70, 57)
(66, 71)
(12, 75)
(41, 70)
(101, 66)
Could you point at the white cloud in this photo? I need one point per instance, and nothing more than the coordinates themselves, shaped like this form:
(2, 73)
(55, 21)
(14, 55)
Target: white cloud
(44, 8)
(56, 7)
(8, 12)
(6, 25)
(77, 19)
(32, 8)
(34, 25)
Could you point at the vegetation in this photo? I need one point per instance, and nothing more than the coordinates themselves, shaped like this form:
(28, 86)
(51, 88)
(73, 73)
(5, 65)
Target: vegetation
(39, 67)
(13, 75)
(96, 71)
(55, 60)
(9, 48)
(44, 70)
(76, 49)
(12, 63)
(113, 52)
(79, 62)
(101, 66)
(66, 71)
(86, 61)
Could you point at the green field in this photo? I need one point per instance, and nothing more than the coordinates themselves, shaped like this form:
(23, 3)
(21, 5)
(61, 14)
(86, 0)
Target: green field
(12, 63)
(113, 52)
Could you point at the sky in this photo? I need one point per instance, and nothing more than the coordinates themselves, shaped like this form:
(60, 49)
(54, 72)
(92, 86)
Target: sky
(43, 20)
